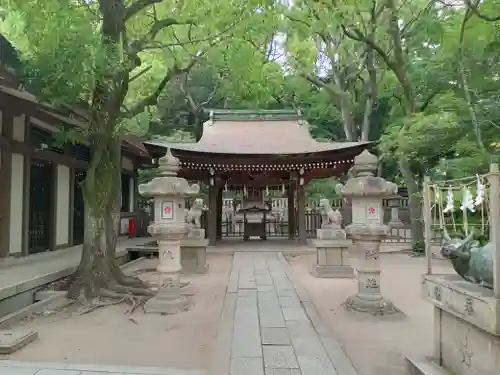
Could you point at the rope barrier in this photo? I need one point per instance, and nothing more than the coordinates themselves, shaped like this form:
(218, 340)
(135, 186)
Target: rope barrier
(450, 188)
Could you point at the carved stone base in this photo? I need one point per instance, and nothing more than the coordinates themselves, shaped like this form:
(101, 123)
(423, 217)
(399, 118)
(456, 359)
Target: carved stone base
(169, 299)
(195, 269)
(332, 259)
(334, 272)
(330, 234)
(370, 304)
(166, 304)
(196, 233)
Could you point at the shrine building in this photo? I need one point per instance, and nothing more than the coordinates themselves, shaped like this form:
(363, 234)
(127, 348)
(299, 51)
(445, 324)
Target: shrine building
(251, 152)
(41, 202)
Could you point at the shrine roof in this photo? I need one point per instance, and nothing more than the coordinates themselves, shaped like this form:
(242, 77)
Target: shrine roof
(240, 132)
(58, 115)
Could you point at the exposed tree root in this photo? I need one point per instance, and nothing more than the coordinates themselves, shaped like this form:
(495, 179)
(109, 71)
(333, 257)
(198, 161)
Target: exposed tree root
(95, 290)
(109, 297)
(96, 303)
(144, 270)
(136, 291)
(129, 281)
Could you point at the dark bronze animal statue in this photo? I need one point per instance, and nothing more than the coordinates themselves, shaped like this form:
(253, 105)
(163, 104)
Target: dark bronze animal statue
(470, 260)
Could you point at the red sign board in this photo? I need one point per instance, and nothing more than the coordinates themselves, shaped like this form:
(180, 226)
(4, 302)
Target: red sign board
(372, 213)
(167, 210)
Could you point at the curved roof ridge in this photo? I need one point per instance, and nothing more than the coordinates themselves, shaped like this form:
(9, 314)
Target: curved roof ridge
(258, 137)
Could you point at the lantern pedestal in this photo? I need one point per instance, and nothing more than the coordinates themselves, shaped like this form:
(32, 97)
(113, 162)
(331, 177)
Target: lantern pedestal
(169, 299)
(332, 259)
(169, 228)
(395, 222)
(194, 255)
(367, 239)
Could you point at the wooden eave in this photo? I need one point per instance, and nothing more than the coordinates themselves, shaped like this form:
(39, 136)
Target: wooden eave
(234, 169)
(22, 102)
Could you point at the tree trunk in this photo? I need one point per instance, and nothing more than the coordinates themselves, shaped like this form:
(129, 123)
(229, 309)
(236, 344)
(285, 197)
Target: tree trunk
(98, 273)
(414, 206)
(101, 192)
(198, 126)
(347, 121)
(371, 96)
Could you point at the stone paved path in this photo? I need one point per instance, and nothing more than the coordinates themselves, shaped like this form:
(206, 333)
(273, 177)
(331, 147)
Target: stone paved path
(49, 368)
(270, 327)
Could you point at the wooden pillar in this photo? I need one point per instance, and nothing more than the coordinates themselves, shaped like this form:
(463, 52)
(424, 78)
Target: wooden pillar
(26, 190)
(219, 213)
(301, 214)
(494, 197)
(212, 215)
(53, 208)
(136, 189)
(71, 218)
(6, 178)
(291, 211)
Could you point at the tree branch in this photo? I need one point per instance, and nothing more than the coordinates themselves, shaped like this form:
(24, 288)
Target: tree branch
(474, 8)
(371, 84)
(194, 108)
(152, 99)
(336, 94)
(357, 35)
(407, 27)
(429, 99)
(212, 94)
(293, 19)
(140, 73)
(465, 84)
(177, 43)
(139, 5)
(395, 64)
(138, 45)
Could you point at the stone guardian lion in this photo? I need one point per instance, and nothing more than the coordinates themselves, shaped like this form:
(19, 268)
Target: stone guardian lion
(194, 214)
(329, 217)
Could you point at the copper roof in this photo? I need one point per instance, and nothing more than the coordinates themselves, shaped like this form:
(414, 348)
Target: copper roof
(268, 134)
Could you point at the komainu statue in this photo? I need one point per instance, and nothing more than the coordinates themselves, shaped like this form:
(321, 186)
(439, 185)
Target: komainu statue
(470, 260)
(194, 214)
(329, 217)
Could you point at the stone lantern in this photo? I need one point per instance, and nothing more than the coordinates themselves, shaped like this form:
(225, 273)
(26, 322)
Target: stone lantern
(394, 204)
(169, 228)
(367, 231)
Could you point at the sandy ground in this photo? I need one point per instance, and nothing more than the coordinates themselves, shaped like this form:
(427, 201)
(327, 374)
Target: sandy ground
(108, 336)
(377, 345)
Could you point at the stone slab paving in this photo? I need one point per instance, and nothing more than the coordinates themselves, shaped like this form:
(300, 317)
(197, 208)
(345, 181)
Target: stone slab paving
(270, 327)
(51, 368)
